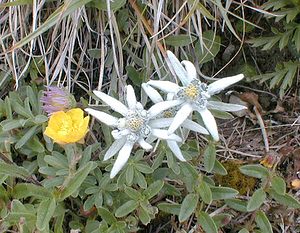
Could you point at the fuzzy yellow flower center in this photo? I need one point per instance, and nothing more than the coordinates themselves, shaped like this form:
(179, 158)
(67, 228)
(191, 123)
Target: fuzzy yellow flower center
(135, 123)
(191, 91)
(195, 92)
(168, 114)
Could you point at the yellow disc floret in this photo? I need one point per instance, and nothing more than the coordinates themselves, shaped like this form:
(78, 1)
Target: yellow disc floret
(191, 91)
(135, 123)
(168, 114)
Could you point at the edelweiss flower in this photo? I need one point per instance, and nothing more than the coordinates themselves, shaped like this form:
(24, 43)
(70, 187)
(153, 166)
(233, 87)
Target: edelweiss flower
(168, 118)
(133, 127)
(194, 95)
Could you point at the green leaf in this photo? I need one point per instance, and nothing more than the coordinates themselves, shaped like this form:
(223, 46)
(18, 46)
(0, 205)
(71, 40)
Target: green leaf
(94, 53)
(13, 170)
(28, 107)
(279, 75)
(292, 69)
(7, 107)
(87, 153)
(257, 199)
(171, 190)
(144, 216)
(219, 169)
(169, 208)
(153, 189)
(140, 179)
(263, 222)
(286, 199)
(221, 114)
(209, 157)
(56, 181)
(132, 193)
(59, 218)
(240, 26)
(189, 171)
(143, 168)
(24, 190)
(33, 100)
(106, 133)
(188, 206)
(32, 131)
(158, 160)
(219, 193)
(21, 110)
(244, 230)
(129, 174)
(35, 145)
(255, 170)
(114, 5)
(12, 124)
(57, 160)
(44, 213)
(284, 40)
(106, 215)
(39, 119)
(180, 40)
(207, 223)
(189, 175)
(205, 192)
(271, 42)
(90, 202)
(136, 77)
(126, 208)
(3, 193)
(18, 210)
(207, 48)
(278, 184)
(222, 219)
(49, 171)
(296, 39)
(237, 204)
(172, 163)
(204, 11)
(76, 181)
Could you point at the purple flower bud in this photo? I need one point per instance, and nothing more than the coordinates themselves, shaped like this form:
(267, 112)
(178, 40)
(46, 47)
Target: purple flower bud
(57, 99)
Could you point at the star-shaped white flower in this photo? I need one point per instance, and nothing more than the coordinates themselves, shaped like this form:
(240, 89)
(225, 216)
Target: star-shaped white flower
(167, 117)
(133, 127)
(194, 95)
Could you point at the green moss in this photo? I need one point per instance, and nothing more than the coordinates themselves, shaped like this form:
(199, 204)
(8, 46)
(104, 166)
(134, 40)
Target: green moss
(235, 179)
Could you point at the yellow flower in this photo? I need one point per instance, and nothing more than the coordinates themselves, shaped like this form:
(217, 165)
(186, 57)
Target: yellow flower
(67, 127)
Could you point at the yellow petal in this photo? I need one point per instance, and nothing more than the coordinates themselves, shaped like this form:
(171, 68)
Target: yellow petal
(50, 132)
(84, 125)
(81, 129)
(76, 115)
(56, 120)
(54, 135)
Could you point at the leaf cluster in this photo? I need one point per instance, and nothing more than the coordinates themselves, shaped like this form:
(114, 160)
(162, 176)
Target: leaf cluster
(287, 37)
